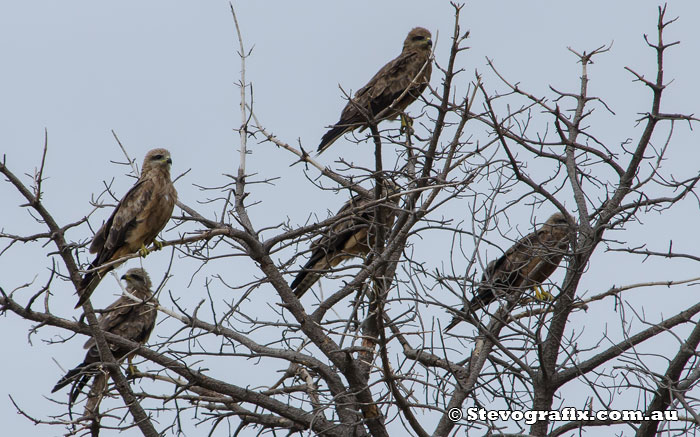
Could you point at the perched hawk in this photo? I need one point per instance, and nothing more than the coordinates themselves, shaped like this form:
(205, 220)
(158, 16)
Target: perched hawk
(126, 318)
(136, 221)
(524, 266)
(401, 74)
(352, 236)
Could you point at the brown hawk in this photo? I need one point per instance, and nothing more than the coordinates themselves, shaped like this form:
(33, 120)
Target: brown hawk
(125, 317)
(407, 75)
(351, 236)
(527, 264)
(136, 221)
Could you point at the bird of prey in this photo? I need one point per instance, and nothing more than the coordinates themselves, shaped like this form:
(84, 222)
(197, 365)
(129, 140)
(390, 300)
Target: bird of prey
(136, 221)
(527, 264)
(124, 317)
(400, 82)
(350, 236)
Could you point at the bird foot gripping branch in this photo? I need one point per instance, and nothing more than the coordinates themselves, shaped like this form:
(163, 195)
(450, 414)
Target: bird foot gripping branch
(406, 124)
(131, 370)
(143, 252)
(542, 295)
(158, 245)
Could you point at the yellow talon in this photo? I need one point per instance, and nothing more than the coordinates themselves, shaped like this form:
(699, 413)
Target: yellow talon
(143, 252)
(158, 244)
(542, 295)
(131, 369)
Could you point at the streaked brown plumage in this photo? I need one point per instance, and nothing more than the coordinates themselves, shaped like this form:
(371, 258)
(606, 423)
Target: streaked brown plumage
(136, 221)
(124, 317)
(386, 86)
(352, 236)
(527, 264)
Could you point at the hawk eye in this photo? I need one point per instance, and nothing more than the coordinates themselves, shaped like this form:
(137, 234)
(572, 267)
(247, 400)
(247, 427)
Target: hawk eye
(418, 38)
(157, 157)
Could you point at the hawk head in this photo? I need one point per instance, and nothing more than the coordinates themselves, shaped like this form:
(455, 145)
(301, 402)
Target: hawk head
(557, 226)
(418, 39)
(557, 219)
(137, 279)
(156, 159)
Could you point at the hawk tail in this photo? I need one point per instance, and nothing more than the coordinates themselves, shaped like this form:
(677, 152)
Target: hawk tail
(310, 273)
(78, 387)
(483, 297)
(455, 321)
(87, 286)
(77, 376)
(90, 282)
(329, 137)
(304, 280)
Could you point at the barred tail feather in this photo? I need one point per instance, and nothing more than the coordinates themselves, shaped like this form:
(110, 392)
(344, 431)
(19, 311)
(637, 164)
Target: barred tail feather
(304, 280)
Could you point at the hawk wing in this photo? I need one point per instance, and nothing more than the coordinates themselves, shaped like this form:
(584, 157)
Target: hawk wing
(136, 221)
(526, 264)
(534, 258)
(113, 232)
(386, 86)
(350, 237)
(510, 271)
(126, 318)
(380, 92)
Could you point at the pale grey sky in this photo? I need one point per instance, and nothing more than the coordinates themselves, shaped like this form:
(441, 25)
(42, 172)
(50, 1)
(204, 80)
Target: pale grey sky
(163, 73)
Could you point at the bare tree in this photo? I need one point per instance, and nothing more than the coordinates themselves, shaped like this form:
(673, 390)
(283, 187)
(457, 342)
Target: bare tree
(369, 356)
